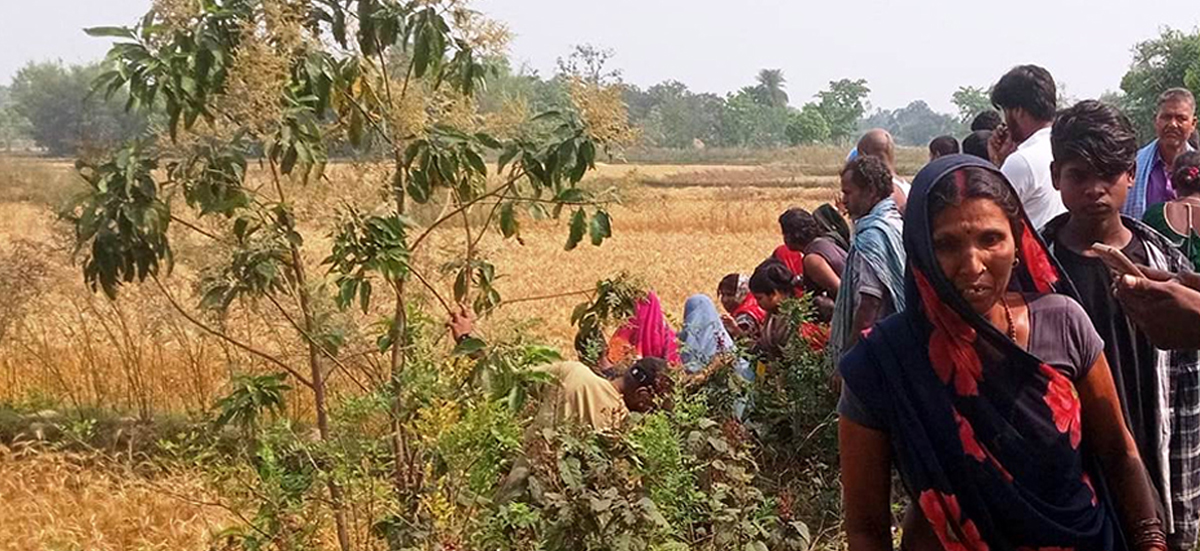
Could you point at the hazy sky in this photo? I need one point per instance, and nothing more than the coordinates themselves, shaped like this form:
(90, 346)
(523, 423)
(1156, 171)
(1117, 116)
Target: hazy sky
(905, 49)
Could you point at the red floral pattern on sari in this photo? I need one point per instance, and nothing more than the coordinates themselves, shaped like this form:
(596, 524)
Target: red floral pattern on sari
(945, 516)
(951, 346)
(1038, 262)
(1087, 481)
(973, 448)
(1063, 401)
(815, 334)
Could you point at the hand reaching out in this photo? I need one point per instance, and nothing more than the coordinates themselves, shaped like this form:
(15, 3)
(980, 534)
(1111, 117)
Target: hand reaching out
(461, 323)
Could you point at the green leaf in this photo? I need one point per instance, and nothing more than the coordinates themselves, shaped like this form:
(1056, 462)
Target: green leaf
(418, 187)
(601, 227)
(571, 473)
(508, 220)
(487, 140)
(546, 115)
(578, 221)
(469, 346)
(364, 295)
(113, 32)
(475, 161)
(571, 195)
(461, 283)
(347, 288)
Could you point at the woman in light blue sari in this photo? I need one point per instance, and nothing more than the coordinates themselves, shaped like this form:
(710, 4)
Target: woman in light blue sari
(704, 339)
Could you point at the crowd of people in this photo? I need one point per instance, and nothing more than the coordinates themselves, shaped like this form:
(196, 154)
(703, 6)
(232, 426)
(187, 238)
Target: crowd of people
(1015, 332)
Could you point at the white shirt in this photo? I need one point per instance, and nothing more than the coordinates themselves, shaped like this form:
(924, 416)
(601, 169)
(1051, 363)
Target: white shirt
(903, 185)
(1028, 168)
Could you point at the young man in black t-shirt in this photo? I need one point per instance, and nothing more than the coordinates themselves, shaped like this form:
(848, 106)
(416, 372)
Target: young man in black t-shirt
(1094, 148)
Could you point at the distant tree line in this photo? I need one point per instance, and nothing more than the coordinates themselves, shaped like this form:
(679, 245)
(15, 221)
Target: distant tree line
(50, 104)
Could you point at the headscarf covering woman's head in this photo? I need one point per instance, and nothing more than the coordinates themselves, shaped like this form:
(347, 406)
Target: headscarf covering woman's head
(703, 336)
(947, 182)
(986, 436)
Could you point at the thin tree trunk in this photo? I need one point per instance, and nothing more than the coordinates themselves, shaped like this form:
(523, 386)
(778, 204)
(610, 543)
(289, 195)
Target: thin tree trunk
(400, 450)
(318, 384)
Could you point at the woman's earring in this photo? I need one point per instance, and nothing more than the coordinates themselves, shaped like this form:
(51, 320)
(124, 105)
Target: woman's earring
(1017, 261)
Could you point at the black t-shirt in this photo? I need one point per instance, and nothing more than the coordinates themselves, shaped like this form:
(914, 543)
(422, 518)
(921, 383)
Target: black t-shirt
(1130, 355)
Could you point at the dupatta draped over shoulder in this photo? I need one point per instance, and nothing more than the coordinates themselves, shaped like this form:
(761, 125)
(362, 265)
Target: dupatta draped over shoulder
(986, 436)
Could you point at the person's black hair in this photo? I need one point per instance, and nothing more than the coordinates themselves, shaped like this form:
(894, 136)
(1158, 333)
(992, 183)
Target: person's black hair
(986, 120)
(770, 277)
(655, 374)
(799, 224)
(943, 145)
(1185, 176)
(1098, 134)
(834, 224)
(976, 143)
(1028, 87)
(977, 183)
(871, 174)
(647, 371)
(729, 284)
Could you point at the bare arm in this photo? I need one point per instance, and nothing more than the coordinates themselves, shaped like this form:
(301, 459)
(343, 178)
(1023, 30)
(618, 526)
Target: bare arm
(864, 317)
(866, 460)
(818, 269)
(1107, 437)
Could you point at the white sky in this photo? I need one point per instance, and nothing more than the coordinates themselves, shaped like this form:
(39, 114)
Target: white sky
(905, 49)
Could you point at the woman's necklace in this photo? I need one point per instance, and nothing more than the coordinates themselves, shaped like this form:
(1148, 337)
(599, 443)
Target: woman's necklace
(1012, 327)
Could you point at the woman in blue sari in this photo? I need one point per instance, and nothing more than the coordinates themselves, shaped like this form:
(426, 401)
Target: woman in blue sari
(989, 393)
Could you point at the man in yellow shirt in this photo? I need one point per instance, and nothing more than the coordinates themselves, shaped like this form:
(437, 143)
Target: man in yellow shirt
(582, 397)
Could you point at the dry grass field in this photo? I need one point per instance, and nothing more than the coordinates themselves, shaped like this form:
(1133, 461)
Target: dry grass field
(679, 228)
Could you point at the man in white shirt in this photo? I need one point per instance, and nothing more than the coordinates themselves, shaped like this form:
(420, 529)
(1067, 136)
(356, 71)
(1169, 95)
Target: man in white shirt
(1021, 148)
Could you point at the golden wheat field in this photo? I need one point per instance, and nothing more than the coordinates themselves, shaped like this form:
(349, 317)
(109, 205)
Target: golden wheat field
(679, 228)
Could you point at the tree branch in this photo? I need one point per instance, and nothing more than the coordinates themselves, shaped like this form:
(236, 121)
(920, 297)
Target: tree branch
(500, 189)
(312, 340)
(195, 228)
(254, 351)
(436, 295)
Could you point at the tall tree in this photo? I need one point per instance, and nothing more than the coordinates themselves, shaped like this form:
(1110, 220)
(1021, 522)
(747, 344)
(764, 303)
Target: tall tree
(770, 86)
(807, 125)
(971, 101)
(13, 125)
(63, 116)
(239, 77)
(1170, 60)
(842, 105)
(915, 124)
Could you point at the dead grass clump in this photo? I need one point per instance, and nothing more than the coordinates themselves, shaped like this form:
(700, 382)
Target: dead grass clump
(38, 181)
(61, 501)
(777, 176)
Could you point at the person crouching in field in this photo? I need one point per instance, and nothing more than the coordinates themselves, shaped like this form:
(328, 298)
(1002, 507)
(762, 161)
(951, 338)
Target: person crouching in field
(646, 335)
(771, 285)
(824, 259)
(872, 283)
(791, 252)
(1094, 149)
(744, 318)
(989, 393)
